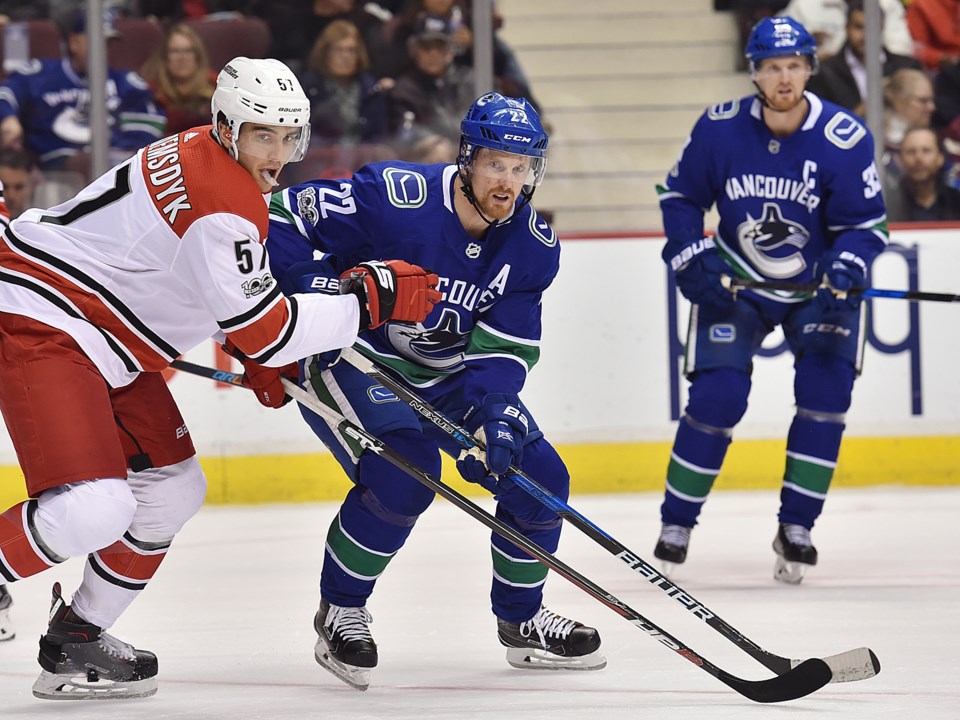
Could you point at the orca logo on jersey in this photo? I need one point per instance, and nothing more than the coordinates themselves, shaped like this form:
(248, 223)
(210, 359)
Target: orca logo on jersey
(770, 243)
(164, 176)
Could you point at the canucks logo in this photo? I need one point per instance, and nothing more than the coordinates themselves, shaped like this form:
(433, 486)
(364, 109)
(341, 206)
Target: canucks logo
(771, 243)
(440, 347)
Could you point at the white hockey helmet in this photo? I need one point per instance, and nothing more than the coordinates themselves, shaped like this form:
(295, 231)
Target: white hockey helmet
(264, 92)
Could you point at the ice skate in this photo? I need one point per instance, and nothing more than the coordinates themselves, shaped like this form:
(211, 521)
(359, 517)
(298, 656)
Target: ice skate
(795, 553)
(6, 627)
(345, 646)
(551, 642)
(671, 548)
(81, 662)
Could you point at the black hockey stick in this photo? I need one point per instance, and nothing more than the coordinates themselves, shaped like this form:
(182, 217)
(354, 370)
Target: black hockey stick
(733, 284)
(857, 664)
(805, 678)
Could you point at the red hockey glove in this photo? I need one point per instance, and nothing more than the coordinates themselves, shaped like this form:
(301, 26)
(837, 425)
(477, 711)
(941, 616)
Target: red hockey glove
(266, 382)
(391, 290)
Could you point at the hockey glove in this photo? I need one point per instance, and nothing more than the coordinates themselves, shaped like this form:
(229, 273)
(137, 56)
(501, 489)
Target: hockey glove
(499, 423)
(697, 269)
(391, 290)
(266, 382)
(841, 271)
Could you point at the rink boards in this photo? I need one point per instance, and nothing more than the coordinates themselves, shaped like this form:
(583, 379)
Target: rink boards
(608, 388)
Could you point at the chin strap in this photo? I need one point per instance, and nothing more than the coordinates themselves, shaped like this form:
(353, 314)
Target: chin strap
(467, 189)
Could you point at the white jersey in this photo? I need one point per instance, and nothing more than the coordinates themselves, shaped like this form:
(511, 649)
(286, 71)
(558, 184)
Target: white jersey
(159, 254)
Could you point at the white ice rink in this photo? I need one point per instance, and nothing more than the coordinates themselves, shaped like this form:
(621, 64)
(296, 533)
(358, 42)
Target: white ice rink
(230, 616)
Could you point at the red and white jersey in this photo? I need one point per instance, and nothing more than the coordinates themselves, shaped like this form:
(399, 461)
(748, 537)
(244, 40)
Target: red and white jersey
(159, 254)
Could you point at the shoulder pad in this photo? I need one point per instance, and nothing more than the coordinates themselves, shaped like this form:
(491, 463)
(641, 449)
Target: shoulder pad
(26, 67)
(844, 131)
(406, 188)
(724, 111)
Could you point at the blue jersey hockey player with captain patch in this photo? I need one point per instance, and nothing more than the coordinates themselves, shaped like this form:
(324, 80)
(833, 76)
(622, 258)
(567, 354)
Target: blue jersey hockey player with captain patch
(796, 188)
(471, 224)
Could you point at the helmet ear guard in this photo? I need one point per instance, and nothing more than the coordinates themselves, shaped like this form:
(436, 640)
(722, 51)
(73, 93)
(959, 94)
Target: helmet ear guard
(261, 92)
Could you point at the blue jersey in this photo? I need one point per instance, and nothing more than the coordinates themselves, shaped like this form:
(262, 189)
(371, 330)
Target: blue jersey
(484, 335)
(53, 105)
(782, 201)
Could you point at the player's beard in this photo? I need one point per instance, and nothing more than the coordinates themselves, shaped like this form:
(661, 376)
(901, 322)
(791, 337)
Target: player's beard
(495, 210)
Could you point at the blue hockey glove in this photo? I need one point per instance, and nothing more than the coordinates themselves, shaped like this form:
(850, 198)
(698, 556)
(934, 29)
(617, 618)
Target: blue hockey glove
(840, 271)
(697, 270)
(500, 424)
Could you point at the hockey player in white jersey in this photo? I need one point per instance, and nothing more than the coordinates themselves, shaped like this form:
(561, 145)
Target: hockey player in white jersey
(796, 188)
(99, 294)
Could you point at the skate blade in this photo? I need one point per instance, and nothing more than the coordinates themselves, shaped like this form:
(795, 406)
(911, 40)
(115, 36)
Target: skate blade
(50, 686)
(789, 572)
(6, 627)
(534, 659)
(668, 568)
(356, 677)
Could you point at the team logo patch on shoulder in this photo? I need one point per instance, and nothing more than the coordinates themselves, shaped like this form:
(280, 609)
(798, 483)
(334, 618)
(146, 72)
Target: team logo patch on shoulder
(405, 188)
(307, 205)
(541, 229)
(257, 286)
(724, 111)
(723, 333)
(843, 131)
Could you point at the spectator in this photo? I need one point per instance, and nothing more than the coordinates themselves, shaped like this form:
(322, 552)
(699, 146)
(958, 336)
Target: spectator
(826, 19)
(935, 27)
(920, 194)
(181, 78)
(908, 98)
(843, 77)
(16, 179)
(347, 104)
(457, 16)
(44, 106)
(432, 96)
(295, 24)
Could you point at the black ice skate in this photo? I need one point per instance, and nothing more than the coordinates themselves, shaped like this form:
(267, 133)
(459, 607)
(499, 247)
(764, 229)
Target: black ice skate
(6, 627)
(672, 547)
(81, 662)
(795, 553)
(345, 646)
(551, 642)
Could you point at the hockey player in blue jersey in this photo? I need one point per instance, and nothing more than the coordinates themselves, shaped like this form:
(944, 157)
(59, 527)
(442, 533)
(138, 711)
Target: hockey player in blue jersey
(798, 195)
(472, 224)
(45, 105)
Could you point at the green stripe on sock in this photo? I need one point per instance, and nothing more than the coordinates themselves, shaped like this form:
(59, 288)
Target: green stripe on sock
(356, 558)
(516, 572)
(808, 475)
(689, 482)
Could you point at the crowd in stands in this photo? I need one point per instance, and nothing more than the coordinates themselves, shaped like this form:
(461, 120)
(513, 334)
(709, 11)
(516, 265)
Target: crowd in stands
(386, 80)
(920, 61)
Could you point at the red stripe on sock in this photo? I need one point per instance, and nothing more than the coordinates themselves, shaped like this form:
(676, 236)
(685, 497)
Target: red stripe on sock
(128, 563)
(19, 555)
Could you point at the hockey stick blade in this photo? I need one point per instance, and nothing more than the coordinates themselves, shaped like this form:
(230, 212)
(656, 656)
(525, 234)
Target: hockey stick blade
(733, 284)
(852, 665)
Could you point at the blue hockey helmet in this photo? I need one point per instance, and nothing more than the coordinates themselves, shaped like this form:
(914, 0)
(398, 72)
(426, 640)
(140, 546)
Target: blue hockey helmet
(506, 124)
(779, 37)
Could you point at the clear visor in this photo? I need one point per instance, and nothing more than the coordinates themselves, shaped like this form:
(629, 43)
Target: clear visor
(273, 142)
(509, 167)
